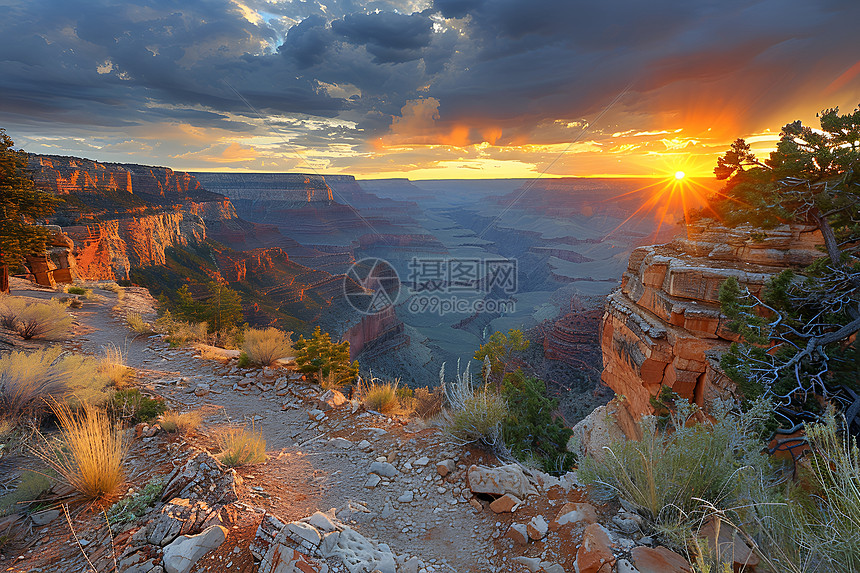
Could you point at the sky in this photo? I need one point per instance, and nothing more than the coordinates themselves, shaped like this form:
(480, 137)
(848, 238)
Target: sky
(425, 89)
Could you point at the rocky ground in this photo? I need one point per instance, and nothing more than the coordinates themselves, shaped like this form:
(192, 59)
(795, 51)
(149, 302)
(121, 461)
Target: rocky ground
(344, 489)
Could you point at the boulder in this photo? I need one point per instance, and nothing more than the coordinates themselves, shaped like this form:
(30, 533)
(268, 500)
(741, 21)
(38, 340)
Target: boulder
(583, 513)
(500, 480)
(659, 560)
(181, 554)
(595, 552)
(537, 527)
(505, 504)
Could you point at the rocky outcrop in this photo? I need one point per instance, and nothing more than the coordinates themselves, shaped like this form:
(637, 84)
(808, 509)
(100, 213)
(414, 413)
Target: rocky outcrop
(664, 326)
(372, 328)
(109, 250)
(63, 175)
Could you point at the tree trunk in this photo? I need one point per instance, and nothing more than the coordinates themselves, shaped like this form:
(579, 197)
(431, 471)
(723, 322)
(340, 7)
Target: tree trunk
(4, 279)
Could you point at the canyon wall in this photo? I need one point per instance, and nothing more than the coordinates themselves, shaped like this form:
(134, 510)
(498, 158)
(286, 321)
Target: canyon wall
(123, 215)
(663, 327)
(109, 250)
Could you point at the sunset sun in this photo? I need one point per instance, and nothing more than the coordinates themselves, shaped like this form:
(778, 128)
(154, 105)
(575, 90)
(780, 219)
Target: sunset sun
(679, 175)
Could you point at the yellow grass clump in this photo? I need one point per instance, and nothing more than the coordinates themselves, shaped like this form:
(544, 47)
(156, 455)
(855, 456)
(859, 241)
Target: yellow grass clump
(47, 320)
(113, 366)
(264, 347)
(136, 323)
(92, 454)
(240, 446)
(180, 422)
(381, 397)
(29, 380)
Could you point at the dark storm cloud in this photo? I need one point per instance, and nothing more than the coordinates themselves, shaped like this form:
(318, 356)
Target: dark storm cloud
(505, 63)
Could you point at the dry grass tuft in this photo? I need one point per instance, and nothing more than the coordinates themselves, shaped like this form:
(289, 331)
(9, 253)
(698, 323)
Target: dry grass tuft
(47, 320)
(428, 403)
(183, 423)
(264, 347)
(113, 366)
(29, 380)
(381, 396)
(178, 333)
(93, 450)
(114, 288)
(136, 323)
(240, 447)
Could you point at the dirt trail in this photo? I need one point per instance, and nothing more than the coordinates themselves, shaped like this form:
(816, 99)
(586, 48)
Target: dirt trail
(318, 461)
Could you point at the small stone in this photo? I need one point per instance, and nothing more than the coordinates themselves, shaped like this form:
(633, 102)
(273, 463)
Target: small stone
(421, 462)
(364, 445)
(202, 389)
(372, 481)
(407, 496)
(383, 469)
(341, 443)
(530, 563)
(519, 533)
(505, 504)
(445, 467)
(183, 552)
(659, 560)
(574, 513)
(45, 517)
(595, 554)
(537, 527)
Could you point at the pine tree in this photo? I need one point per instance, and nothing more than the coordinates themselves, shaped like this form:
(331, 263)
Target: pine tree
(799, 339)
(21, 204)
(324, 358)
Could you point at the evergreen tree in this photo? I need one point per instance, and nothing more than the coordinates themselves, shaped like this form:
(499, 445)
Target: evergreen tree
(799, 338)
(324, 358)
(21, 204)
(501, 349)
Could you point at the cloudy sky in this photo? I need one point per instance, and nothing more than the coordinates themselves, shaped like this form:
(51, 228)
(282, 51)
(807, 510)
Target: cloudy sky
(421, 88)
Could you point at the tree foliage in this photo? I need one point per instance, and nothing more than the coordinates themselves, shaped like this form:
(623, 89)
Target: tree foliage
(799, 338)
(501, 349)
(221, 309)
(531, 430)
(21, 204)
(324, 358)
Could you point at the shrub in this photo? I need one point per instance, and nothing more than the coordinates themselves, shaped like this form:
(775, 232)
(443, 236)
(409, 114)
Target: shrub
(240, 447)
(325, 359)
(668, 475)
(475, 415)
(113, 365)
(27, 380)
(427, 403)
(92, 452)
(530, 431)
(132, 406)
(48, 320)
(264, 347)
(178, 332)
(136, 323)
(134, 506)
(244, 360)
(183, 423)
(80, 291)
(380, 396)
(114, 288)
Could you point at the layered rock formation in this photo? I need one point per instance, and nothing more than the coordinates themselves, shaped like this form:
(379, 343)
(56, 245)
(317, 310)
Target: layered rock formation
(383, 329)
(664, 326)
(110, 249)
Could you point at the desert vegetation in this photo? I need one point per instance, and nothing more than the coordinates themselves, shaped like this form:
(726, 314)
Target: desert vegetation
(89, 453)
(240, 446)
(28, 380)
(327, 360)
(173, 421)
(264, 347)
(383, 396)
(35, 319)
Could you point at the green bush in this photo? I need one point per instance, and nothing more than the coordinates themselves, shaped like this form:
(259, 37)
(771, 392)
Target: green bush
(328, 360)
(85, 292)
(134, 506)
(132, 406)
(474, 415)
(669, 476)
(529, 430)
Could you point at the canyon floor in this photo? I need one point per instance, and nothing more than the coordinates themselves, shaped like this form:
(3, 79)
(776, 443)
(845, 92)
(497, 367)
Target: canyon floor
(316, 462)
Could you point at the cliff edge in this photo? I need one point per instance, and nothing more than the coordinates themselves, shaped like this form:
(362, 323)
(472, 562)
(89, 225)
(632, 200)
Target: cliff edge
(663, 326)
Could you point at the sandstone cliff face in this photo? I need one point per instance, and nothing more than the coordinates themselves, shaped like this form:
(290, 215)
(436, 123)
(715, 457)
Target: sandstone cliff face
(68, 175)
(109, 250)
(664, 326)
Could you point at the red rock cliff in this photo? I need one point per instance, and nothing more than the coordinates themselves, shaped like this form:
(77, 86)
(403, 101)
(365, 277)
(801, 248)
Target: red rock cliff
(664, 326)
